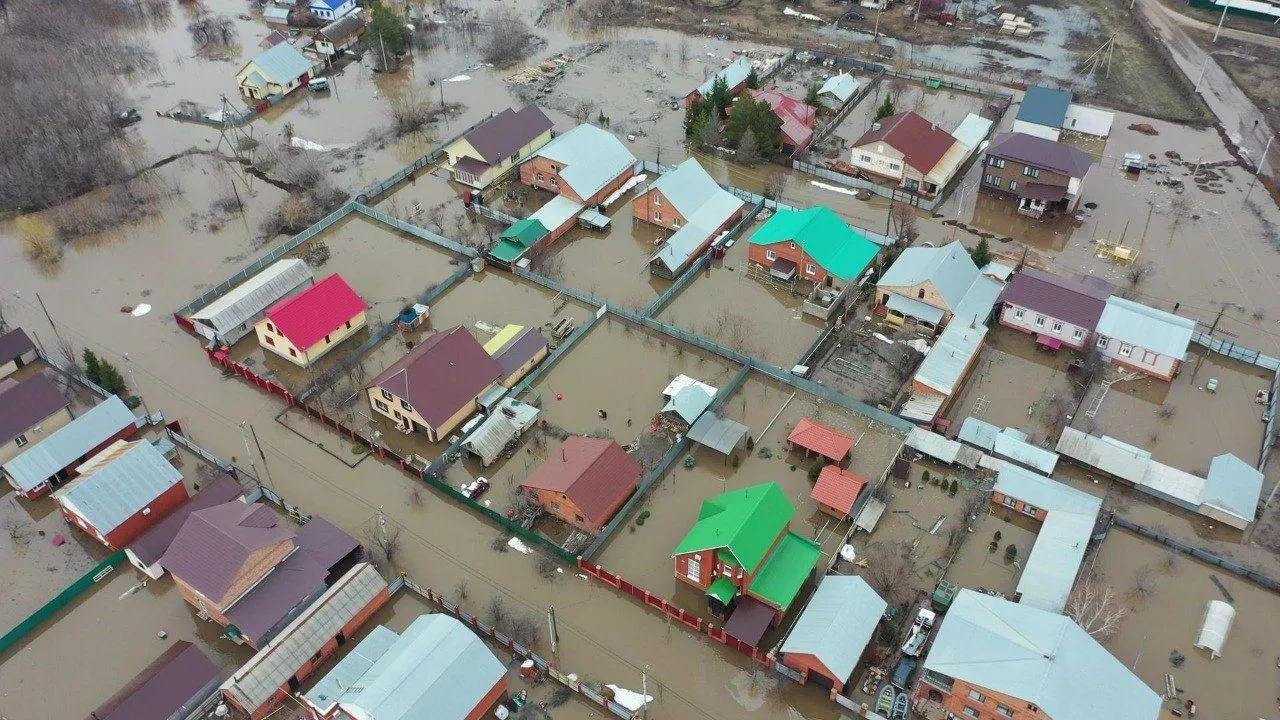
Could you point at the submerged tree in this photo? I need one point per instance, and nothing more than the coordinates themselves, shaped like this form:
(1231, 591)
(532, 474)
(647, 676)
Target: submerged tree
(1096, 607)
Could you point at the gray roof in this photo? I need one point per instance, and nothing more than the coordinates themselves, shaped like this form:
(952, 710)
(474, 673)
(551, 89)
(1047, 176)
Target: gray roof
(255, 682)
(23, 405)
(14, 345)
(592, 157)
(69, 443)
(502, 135)
(1050, 570)
(1121, 459)
(945, 364)
(1079, 300)
(842, 86)
(437, 668)
(345, 27)
(1233, 486)
(122, 480)
(979, 433)
(949, 268)
(1040, 657)
(689, 403)
(912, 307)
(252, 297)
(1044, 106)
(719, 434)
(282, 64)
(975, 307)
(1146, 327)
(837, 624)
(734, 74)
(938, 446)
(491, 438)
(152, 544)
(1013, 445)
(352, 667)
(1042, 153)
(215, 543)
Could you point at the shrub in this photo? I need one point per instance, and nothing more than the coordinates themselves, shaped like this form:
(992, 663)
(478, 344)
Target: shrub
(993, 546)
(924, 477)
(815, 470)
(955, 487)
(1011, 552)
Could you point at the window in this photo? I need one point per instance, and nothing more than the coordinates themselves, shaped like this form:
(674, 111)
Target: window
(895, 166)
(864, 158)
(387, 395)
(996, 162)
(1018, 313)
(1030, 509)
(1057, 326)
(579, 517)
(1102, 342)
(348, 324)
(406, 406)
(1004, 710)
(1039, 321)
(293, 353)
(693, 570)
(810, 269)
(270, 340)
(541, 177)
(554, 184)
(920, 293)
(971, 712)
(675, 222)
(271, 328)
(1149, 357)
(727, 571)
(771, 255)
(1013, 184)
(991, 179)
(1031, 172)
(326, 340)
(1077, 334)
(657, 217)
(657, 199)
(381, 406)
(1126, 349)
(1010, 502)
(397, 414)
(976, 696)
(514, 157)
(21, 440)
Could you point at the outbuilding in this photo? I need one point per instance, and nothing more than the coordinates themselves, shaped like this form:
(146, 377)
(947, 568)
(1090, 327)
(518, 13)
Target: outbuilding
(833, 631)
(584, 482)
(122, 492)
(233, 315)
(16, 351)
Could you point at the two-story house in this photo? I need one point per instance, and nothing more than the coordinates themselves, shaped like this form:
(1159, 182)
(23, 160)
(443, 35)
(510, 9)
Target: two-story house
(332, 9)
(585, 165)
(692, 204)
(29, 411)
(994, 659)
(495, 146)
(437, 385)
(1056, 310)
(584, 481)
(1142, 338)
(278, 70)
(812, 245)
(927, 285)
(1041, 175)
(904, 148)
(743, 555)
(303, 328)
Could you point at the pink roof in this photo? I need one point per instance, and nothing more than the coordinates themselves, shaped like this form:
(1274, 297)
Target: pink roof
(821, 439)
(837, 488)
(594, 473)
(317, 311)
(797, 116)
(921, 142)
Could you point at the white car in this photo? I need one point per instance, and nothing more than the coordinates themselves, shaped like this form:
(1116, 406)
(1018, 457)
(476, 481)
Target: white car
(919, 632)
(319, 85)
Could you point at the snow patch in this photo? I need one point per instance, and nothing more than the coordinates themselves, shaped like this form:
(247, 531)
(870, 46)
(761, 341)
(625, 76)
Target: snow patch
(629, 699)
(634, 181)
(306, 144)
(807, 16)
(140, 310)
(458, 78)
(518, 545)
(833, 188)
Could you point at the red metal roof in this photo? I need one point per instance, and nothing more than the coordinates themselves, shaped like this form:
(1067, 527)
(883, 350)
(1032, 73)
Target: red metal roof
(921, 142)
(837, 488)
(593, 473)
(317, 311)
(441, 375)
(821, 439)
(797, 116)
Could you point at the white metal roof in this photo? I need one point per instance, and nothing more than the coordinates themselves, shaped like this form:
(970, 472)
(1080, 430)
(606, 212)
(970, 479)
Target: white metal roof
(69, 443)
(1232, 486)
(117, 483)
(734, 74)
(1010, 444)
(1040, 657)
(591, 156)
(981, 433)
(949, 268)
(975, 306)
(719, 434)
(968, 135)
(558, 211)
(1146, 327)
(842, 86)
(253, 296)
(703, 203)
(681, 382)
(1111, 456)
(912, 307)
(946, 363)
(934, 445)
(491, 438)
(1218, 617)
(837, 624)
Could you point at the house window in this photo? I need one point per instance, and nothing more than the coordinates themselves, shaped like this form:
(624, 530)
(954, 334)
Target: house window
(1018, 313)
(270, 340)
(326, 339)
(579, 517)
(657, 199)
(541, 177)
(1102, 342)
(996, 162)
(293, 353)
(895, 166)
(971, 712)
(381, 405)
(1149, 357)
(406, 406)
(920, 293)
(554, 184)
(991, 179)
(771, 255)
(811, 270)
(1010, 502)
(1077, 334)
(1039, 321)
(348, 324)
(387, 395)
(1031, 172)
(675, 222)
(1005, 710)
(727, 571)
(1057, 326)
(1013, 184)
(657, 217)
(864, 158)
(693, 570)
(1126, 349)
(1030, 509)
(21, 440)
(976, 696)
(270, 327)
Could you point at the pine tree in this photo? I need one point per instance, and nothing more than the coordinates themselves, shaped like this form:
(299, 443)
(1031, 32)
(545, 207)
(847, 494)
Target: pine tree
(753, 79)
(92, 367)
(811, 97)
(982, 254)
(712, 135)
(885, 110)
(719, 97)
(748, 148)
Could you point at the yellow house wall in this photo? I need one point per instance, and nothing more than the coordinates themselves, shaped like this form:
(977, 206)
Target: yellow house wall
(433, 433)
(10, 450)
(271, 87)
(462, 148)
(515, 377)
(305, 357)
(931, 295)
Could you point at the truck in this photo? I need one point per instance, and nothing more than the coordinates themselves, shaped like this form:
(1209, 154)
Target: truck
(902, 674)
(919, 634)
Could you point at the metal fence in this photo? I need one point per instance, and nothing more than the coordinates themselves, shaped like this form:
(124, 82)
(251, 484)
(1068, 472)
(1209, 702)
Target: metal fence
(1234, 351)
(418, 232)
(891, 193)
(877, 68)
(61, 600)
(66, 369)
(494, 214)
(375, 191)
(1265, 581)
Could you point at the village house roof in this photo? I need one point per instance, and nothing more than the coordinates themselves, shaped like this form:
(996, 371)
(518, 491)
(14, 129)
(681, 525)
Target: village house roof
(734, 74)
(118, 482)
(689, 403)
(975, 307)
(837, 624)
(796, 115)
(949, 268)
(944, 366)
(591, 158)
(556, 212)
(1146, 327)
(306, 318)
(922, 143)
(13, 345)
(521, 347)
(254, 295)
(1079, 300)
(440, 376)
(838, 488)
(703, 203)
(214, 544)
(23, 405)
(69, 443)
(593, 473)
(839, 249)
(1232, 486)
(436, 668)
(744, 522)
(518, 238)
(1044, 106)
(344, 28)
(1036, 656)
(1042, 153)
(171, 686)
(786, 570)
(841, 86)
(821, 439)
(282, 64)
(719, 434)
(152, 544)
(502, 135)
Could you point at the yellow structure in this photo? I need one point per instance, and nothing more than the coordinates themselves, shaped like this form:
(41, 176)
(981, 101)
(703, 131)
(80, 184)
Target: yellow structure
(496, 146)
(1116, 252)
(503, 337)
(305, 327)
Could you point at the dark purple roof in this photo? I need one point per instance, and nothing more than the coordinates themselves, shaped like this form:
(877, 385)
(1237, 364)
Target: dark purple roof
(502, 135)
(14, 345)
(325, 543)
(156, 541)
(750, 619)
(521, 349)
(24, 404)
(214, 544)
(1041, 153)
(471, 165)
(442, 375)
(1042, 192)
(181, 676)
(1078, 300)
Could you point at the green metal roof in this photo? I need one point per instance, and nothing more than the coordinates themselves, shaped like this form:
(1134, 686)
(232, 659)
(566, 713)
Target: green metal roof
(838, 248)
(745, 522)
(525, 231)
(782, 577)
(723, 590)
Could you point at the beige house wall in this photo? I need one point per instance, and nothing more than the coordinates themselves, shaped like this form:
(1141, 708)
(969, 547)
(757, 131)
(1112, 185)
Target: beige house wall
(463, 148)
(12, 449)
(266, 329)
(397, 411)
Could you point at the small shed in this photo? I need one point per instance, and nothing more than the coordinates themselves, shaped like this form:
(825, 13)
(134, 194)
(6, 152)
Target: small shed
(720, 434)
(689, 403)
(837, 491)
(16, 351)
(122, 492)
(233, 315)
(833, 631)
(502, 428)
(817, 439)
(1218, 617)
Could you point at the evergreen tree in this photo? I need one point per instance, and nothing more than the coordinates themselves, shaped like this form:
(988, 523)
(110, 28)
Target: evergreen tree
(712, 135)
(387, 28)
(982, 254)
(695, 116)
(719, 97)
(748, 148)
(811, 97)
(92, 367)
(753, 79)
(111, 379)
(885, 110)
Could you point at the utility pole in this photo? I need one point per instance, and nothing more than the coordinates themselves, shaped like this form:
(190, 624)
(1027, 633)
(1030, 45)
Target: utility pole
(382, 527)
(47, 316)
(644, 692)
(1221, 20)
(555, 635)
(1258, 169)
(128, 366)
(265, 468)
(249, 453)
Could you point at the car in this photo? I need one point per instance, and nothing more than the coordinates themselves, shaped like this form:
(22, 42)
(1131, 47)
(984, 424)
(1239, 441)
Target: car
(902, 674)
(128, 117)
(319, 85)
(476, 488)
(919, 634)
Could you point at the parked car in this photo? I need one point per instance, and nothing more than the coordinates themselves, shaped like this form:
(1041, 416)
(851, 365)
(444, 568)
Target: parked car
(902, 674)
(476, 488)
(919, 634)
(319, 85)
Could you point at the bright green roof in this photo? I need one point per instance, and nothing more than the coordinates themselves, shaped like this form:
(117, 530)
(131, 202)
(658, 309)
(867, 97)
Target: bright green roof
(838, 248)
(723, 590)
(525, 231)
(745, 522)
(789, 566)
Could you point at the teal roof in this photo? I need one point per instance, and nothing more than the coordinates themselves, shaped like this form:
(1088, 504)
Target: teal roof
(842, 86)
(591, 157)
(282, 64)
(526, 231)
(1233, 486)
(787, 570)
(723, 589)
(734, 74)
(838, 248)
(745, 522)
(837, 624)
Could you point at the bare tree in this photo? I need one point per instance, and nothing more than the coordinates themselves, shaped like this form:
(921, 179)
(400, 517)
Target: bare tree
(1143, 583)
(1096, 607)
(892, 572)
(1139, 272)
(384, 538)
(409, 114)
(209, 30)
(510, 39)
(907, 222)
(712, 135)
(14, 527)
(774, 183)
(497, 609)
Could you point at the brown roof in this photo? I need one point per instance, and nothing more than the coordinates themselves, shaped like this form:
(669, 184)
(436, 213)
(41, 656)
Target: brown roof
(13, 345)
(1042, 153)
(214, 544)
(24, 404)
(152, 544)
(591, 472)
(503, 134)
(181, 675)
(922, 143)
(1079, 300)
(442, 375)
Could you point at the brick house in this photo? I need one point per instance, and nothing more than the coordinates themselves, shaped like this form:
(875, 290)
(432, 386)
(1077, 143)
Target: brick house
(585, 165)
(813, 245)
(904, 148)
(303, 328)
(689, 202)
(122, 492)
(1057, 310)
(1143, 338)
(1041, 175)
(584, 482)
(54, 459)
(832, 632)
(735, 77)
(926, 285)
(742, 553)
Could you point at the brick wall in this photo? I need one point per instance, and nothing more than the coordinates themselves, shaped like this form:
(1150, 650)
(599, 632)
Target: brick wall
(654, 207)
(147, 517)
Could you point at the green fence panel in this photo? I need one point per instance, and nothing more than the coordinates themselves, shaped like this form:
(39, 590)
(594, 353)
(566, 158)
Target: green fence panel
(61, 600)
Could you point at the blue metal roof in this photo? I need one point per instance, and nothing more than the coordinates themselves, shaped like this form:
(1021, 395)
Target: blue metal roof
(949, 268)
(946, 362)
(978, 432)
(842, 86)
(591, 156)
(1146, 327)
(734, 74)
(118, 483)
(837, 624)
(351, 668)
(1232, 486)
(69, 443)
(282, 64)
(1044, 106)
